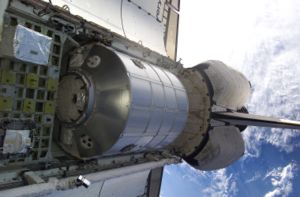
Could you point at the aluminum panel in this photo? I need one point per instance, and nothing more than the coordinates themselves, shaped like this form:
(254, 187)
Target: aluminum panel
(28, 45)
(151, 73)
(154, 143)
(181, 101)
(137, 121)
(133, 68)
(140, 144)
(141, 92)
(158, 95)
(174, 80)
(155, 121)
(169, 139)
(178, 123)
(170, 98)
(164, 79)
(167, 122)
(122, 144)
(155, 105)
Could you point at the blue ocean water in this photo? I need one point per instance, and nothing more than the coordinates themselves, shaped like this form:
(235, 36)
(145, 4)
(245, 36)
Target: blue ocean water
(260, 39)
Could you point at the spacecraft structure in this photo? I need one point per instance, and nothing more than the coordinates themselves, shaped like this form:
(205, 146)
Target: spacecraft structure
(92, 93)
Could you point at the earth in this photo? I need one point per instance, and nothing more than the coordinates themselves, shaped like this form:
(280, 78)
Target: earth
(261, 39)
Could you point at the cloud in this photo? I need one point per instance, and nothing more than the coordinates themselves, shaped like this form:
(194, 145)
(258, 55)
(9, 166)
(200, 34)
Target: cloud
(271, 62)
(256, 176)
(218, 183)
(281, 180)
(222, 184)
(283, 139)
(167, 171)
(190, 174)
(263, 43)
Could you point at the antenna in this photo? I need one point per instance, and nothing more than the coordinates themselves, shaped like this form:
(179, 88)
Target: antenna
(237, 118)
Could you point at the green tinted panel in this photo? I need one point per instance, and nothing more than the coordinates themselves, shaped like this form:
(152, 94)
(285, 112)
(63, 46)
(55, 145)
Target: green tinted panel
(29, 106)
(6, 104)
(8, 77)
(49, 107)
(32, 80)
(52, 84)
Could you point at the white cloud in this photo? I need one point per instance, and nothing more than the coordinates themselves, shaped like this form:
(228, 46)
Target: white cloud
(281, 179)
(271, 62)
(256, 176)
(263, 43)
(280, 138)
(222, 184)
(218, 183)
(191, 174)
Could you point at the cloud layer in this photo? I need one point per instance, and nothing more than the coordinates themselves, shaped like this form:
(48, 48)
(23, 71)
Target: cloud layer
(260, 38)
(271, 62)
(282, 180)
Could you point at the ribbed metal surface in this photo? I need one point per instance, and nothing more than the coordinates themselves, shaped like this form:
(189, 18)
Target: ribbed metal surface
(159, 107)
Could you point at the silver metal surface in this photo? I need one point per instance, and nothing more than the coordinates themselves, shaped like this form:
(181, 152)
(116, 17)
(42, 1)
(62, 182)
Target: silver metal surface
(158, 110)
(236, 118)
(16, 141)
(83, 181)
(136, 105)
(111, 101)
(26, 45)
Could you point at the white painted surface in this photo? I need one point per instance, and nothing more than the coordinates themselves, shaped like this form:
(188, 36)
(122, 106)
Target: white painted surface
(122, 17)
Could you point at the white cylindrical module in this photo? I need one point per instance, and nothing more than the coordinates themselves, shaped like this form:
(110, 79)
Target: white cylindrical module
(120, 104)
